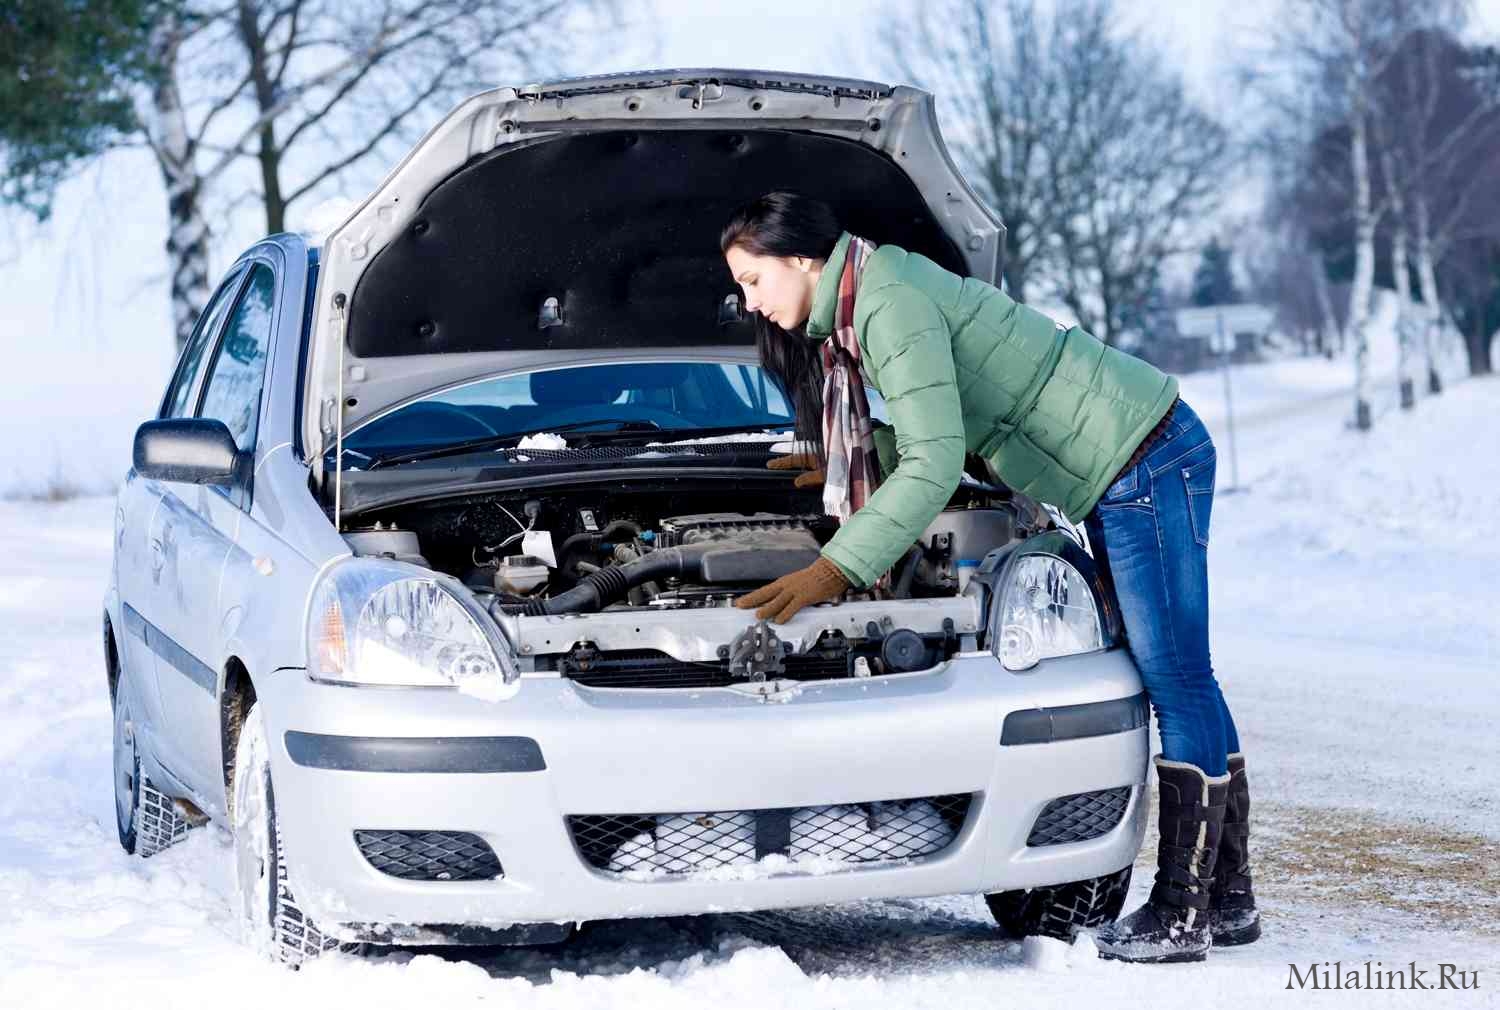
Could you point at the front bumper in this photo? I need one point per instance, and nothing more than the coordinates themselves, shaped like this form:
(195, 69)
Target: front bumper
(556, 750)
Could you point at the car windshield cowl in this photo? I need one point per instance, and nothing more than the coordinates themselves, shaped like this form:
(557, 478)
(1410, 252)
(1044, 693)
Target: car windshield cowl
(614, 432)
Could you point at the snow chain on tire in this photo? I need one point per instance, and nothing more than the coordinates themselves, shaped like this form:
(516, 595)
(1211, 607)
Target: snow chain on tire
(1061, 911)
(296, 938)
(158, 822)
(272, 918)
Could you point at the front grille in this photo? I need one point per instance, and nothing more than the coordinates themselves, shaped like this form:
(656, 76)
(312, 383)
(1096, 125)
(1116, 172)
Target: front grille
(652, 668)
(1079, 816)
(842, 833)
(429, 855)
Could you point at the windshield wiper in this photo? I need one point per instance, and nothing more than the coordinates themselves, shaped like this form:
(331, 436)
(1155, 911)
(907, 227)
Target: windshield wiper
(501, 441)
(632, 428)
(683, 434)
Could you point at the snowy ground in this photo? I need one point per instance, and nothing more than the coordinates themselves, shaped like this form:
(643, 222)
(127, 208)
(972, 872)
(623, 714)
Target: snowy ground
(1355, 633)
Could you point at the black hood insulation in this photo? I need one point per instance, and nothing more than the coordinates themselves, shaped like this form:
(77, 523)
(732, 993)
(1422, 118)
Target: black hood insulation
(622, 228)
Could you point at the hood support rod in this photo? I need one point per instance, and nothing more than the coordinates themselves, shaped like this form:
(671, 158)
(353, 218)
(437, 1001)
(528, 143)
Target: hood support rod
(338, 419)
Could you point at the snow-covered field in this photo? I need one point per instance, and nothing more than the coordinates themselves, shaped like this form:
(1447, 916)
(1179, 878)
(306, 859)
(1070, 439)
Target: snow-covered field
(1355, 632)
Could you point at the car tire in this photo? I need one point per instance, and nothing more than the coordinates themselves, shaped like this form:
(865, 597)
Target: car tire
(146, 818)
(270, 919)
(1062, 910)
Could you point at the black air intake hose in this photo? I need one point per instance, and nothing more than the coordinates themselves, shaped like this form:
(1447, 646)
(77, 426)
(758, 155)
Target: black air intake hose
(609, 535)
(607, 585)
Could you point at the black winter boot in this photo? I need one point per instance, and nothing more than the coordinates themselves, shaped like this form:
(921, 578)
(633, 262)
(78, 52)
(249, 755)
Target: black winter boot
(1231, 908)
(1172, 925)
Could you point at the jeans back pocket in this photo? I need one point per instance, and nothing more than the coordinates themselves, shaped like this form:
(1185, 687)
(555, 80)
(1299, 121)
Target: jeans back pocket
(1198, 478)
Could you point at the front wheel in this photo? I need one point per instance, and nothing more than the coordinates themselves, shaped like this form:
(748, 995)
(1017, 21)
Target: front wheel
(270, 920)
(1061, 910)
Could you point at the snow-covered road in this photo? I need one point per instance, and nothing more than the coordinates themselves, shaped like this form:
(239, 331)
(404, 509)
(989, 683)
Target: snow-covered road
(1355, 632)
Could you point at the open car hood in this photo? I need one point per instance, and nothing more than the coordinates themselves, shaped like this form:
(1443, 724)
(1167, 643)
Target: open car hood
(585, 215)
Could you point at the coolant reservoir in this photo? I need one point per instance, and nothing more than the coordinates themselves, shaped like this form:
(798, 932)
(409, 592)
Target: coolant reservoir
(520, 574)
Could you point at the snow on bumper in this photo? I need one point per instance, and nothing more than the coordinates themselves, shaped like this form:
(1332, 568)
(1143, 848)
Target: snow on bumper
(347, 760)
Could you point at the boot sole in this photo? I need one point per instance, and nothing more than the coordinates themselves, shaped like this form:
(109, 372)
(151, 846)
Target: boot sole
(1182, 957)
(1238, 937)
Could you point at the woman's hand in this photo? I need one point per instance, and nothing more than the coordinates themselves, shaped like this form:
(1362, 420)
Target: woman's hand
(800, 461)
(817, 583)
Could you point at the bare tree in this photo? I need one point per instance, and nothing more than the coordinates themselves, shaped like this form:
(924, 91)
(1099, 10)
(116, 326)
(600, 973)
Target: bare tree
(994, 68)
(166, 130)
(1359, 45)
(1407, 324)
(1143, 167)
(1470, 281)
(1441, 147)
(1320, 75)
(1091, 152)
(310, 94)
(1417, 122)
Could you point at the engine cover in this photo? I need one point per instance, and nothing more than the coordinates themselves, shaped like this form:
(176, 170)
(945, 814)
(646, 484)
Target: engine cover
(743, 548)
(754, 529)
(731, 526)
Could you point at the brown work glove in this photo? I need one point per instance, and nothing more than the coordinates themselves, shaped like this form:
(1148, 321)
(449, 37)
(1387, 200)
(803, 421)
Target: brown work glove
(817, 583)
(800, 461)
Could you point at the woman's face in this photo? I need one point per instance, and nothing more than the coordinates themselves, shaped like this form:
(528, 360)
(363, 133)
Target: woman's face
(778, 287)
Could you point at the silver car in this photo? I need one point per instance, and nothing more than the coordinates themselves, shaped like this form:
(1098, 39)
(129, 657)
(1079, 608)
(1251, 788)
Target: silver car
(423, 574)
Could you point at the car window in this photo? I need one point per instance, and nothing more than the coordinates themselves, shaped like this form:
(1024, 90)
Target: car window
(756, 389)
(177, 403)
(239, 366)
(670, 395)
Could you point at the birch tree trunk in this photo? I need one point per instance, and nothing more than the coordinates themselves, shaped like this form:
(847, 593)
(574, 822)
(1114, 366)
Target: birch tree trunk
(1364, 256)
(1427, 280)
(187, 231)
(1407, 319)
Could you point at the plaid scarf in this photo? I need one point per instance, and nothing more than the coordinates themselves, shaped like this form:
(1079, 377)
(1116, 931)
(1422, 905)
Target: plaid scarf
(852, 470)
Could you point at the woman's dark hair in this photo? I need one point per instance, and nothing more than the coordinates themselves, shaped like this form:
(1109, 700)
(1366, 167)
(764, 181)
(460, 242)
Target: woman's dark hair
(787, 223)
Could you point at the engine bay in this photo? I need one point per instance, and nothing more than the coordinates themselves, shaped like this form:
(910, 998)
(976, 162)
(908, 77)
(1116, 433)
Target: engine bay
(528, 552)
(538, 557)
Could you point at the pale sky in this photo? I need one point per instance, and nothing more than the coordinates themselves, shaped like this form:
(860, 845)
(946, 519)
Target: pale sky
(85, 315)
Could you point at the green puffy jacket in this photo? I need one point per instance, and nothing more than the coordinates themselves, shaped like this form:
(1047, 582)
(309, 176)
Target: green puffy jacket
(963, 367)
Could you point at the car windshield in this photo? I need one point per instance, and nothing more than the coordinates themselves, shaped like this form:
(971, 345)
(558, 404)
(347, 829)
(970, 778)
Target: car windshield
(678, 396)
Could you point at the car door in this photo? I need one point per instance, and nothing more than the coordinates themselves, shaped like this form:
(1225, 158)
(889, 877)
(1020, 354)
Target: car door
(197, 526)
(138, 555)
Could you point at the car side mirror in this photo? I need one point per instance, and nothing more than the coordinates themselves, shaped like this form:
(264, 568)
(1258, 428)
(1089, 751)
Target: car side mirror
(192, 450)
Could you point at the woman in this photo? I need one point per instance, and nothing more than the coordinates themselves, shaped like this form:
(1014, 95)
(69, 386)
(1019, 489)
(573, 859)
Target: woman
(1096, 433)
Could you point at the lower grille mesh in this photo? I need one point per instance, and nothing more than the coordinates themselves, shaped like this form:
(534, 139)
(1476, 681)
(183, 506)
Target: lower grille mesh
(429, 855)
(840, 833)
(650, 668)
(1079, 817)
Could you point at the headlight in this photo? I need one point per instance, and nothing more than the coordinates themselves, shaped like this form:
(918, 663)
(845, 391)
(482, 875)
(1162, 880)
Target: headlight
(386, 623)
(1046, 609)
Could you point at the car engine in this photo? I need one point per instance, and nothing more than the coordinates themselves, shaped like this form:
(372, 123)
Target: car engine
(608, 562)
(582, 552)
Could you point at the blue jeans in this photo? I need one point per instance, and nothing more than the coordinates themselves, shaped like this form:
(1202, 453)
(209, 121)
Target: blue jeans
(1149, 533)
